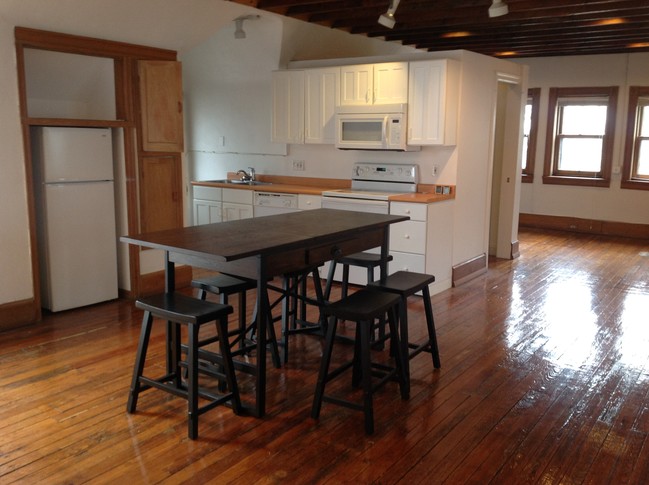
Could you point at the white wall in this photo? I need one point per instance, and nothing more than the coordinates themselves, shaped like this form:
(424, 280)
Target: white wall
(607, 204)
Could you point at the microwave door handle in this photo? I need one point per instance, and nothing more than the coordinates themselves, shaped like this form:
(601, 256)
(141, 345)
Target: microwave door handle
(385, 139)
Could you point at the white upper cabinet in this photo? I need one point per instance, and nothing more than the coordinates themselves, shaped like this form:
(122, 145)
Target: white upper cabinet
(433, 102)
(365, 84)
(288, 107)
(391, 83)
(321, 97)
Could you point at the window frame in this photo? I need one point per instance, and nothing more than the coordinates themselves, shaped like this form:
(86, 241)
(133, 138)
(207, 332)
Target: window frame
(533, 98)
(602, 178)
(632, 139)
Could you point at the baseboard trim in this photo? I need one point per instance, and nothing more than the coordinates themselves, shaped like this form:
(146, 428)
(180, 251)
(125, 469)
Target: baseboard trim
(18, 314)
(515, 253)
(589, 226)
(469, 270)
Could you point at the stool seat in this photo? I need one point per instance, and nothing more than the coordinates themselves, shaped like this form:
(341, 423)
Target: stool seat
(364, 259)
(223, 284)
(363, 307)
(405, 284)
(177, 309)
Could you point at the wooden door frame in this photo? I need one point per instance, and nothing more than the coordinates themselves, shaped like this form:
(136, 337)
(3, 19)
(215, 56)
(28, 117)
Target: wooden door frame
(125, 58)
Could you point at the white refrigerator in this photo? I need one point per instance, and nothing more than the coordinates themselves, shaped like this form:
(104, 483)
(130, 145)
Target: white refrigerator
(73, 170)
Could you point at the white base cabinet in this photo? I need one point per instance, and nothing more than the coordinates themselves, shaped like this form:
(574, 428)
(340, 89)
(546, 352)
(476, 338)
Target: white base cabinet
(237, 204)
(207, 205)
(424, 243)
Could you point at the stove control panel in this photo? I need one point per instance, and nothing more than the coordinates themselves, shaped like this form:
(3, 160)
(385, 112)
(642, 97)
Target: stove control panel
(386, 172)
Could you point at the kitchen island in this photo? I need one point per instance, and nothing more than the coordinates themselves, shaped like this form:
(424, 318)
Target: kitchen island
(263, 248)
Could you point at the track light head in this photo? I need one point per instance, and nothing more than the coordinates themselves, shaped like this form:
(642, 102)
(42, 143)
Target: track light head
(498, 8)
(239, 33)
(387, 19)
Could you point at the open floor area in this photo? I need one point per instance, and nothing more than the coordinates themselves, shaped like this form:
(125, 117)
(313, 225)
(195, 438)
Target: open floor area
(544, 379)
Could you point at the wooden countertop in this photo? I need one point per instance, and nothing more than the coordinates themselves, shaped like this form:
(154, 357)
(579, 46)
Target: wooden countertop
(426, 193)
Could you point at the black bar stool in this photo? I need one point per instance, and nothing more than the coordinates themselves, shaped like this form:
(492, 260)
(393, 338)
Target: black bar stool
(226, 285)
(369, 261)
(363, 307)
(179, 309)
(294, 305)
(405, 284)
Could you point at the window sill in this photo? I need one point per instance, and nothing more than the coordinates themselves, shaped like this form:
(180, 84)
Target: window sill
(635, 184)
(527, 178)
(579, 181)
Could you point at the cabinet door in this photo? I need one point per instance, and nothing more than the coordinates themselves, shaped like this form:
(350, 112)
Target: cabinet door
(161, 107)
(207, 212)
(160, 193)
(433, 102)
(234, 212)
(391, 83)
(288, 107)
(356, 85)
(321, 97)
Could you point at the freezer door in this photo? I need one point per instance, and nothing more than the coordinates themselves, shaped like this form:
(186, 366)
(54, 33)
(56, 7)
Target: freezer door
(80, 255)
(75, 154)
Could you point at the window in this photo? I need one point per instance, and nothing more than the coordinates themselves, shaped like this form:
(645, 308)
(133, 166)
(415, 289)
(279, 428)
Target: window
(530, 129)
(579, 144)
(635, 168)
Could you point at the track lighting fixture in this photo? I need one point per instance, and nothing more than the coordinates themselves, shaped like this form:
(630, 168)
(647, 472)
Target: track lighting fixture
(498, 8)
(239, 33)
(387, 19)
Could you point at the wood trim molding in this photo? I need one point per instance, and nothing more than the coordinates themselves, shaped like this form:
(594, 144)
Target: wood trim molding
(88, 45)
(19, 314)
(469, 269)
(515, 253)
(589, 226)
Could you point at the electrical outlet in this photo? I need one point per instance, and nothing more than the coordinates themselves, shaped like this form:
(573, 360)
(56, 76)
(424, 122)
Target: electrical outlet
(298, 165)
(435, 170)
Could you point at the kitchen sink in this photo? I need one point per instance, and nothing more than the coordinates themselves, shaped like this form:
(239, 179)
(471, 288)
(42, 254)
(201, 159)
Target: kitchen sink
(237, 182)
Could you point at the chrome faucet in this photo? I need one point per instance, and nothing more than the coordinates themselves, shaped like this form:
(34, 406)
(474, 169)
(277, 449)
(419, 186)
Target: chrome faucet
(247, 177)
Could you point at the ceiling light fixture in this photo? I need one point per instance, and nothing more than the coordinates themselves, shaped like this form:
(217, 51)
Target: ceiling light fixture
(387, 19)
(239, 33)
(498, 8)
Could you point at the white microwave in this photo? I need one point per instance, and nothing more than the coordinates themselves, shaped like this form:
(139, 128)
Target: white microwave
(377, 127)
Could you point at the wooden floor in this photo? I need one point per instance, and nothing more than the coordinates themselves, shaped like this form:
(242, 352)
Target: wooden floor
(544, 379)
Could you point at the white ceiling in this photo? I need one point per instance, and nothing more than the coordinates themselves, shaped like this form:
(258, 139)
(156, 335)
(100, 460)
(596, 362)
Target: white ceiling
(169, 24)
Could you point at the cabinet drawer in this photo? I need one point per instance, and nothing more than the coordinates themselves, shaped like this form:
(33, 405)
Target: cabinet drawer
(327, 252)
(407, 262)
(408, 236)
(207, 193)
(416, 212)
(238, 196)
(306, 202)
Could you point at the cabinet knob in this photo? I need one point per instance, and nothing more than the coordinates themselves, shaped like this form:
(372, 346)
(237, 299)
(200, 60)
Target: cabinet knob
(406, 236)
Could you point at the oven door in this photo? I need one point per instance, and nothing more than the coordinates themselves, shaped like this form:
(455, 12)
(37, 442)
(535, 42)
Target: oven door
(359, 205)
